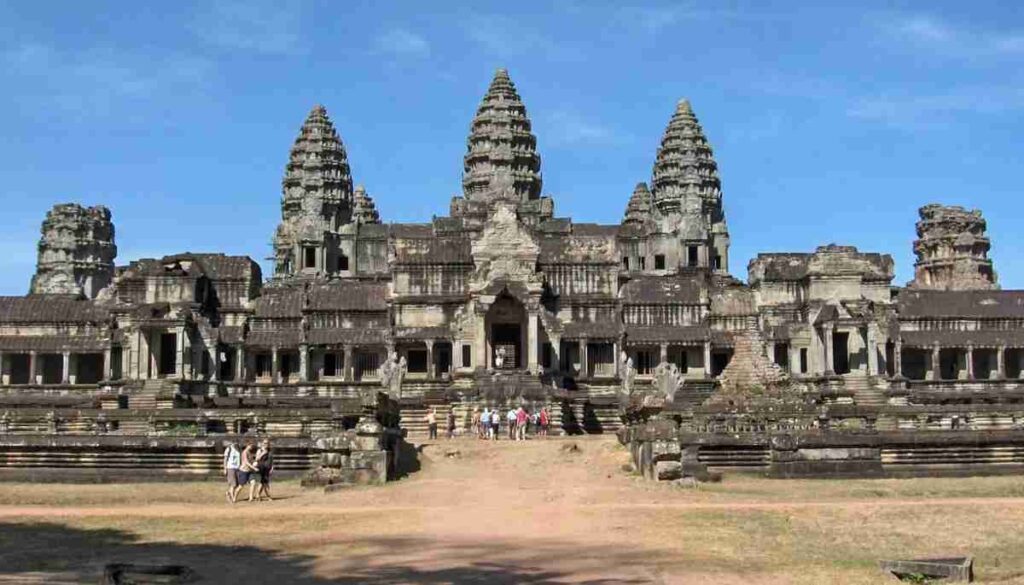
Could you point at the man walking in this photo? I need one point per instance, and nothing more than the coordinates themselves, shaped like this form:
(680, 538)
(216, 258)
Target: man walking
(232, 461)
(432, 423)
(511, 419)
(521, 418)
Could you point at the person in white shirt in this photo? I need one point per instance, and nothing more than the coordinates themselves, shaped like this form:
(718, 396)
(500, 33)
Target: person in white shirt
(511, 418)
(232, 462)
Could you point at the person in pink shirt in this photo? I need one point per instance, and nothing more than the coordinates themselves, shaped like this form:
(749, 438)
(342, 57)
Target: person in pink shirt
(521, 417)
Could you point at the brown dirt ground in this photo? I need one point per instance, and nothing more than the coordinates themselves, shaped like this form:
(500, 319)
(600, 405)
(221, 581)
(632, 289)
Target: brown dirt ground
(518, 513)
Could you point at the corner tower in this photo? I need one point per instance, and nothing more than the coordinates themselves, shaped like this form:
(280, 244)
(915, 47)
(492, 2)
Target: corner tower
(76, 251)
(952, 250)
(316, 198)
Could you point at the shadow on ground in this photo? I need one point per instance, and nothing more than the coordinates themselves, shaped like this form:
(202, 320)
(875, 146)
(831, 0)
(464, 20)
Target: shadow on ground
(56, 552)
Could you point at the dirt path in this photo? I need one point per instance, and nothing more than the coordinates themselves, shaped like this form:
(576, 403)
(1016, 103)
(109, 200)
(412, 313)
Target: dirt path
(533, 512)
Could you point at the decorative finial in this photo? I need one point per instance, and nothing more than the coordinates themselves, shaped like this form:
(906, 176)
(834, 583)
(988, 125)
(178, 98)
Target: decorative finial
(683, 107)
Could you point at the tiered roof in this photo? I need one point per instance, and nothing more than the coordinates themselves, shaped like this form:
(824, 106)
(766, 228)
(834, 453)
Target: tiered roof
(501, 143)
(364, 210)
(685, 172)
(317, 178)
(639, 207)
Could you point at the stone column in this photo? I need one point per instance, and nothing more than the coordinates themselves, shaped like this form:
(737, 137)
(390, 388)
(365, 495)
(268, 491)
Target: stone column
(3, 370)
(346, 367)
(662, 353)
(481, 359)
(73, 368)
(179, 352)
(935, 373)
(240, 370)
(303, 363)
(107, 363)
(1001, 362)
(969, 357)
(707, 359)
(897, 358)
(65, 369)
(430, 359)
(871, 339)
(275, 374)
(615, 356)
(33, 367)
(793, 356)
(556, 351)
(583, 358)
(532, 342)
(827, 331)
(214, 363)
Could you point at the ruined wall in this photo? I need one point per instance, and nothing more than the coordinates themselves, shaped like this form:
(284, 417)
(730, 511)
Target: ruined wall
(76, 251)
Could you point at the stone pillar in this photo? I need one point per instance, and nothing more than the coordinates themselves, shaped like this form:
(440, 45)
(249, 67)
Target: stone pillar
(430, 359)
(556, 350)
(3, 370)
(65, 369)
(481, 359)
(935, 373)
(240, 369)
(179, 353)
(33, 367)
(707, 359)
(897, 358)
(662, 353)
(73, 369)
(214, 363)
(1001, 362)
(583, 358)
(871, 338)
(615, 355)
(303, 363)
(275, 374)
(532, 342)
(107, 363)
(970, 362)
(347, 367)
(827, 331)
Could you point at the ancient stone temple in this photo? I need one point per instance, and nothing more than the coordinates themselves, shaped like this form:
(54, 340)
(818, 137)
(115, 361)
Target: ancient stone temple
(815, 363)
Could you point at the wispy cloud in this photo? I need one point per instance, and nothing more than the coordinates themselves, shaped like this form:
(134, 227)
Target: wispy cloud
(939, 35)
(506, 38)
(257, 26)
(97, 81)
(916, 111)
(401, 42)
(569, 128)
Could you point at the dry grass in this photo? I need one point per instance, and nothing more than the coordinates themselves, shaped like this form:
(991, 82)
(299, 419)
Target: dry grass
(512, 513)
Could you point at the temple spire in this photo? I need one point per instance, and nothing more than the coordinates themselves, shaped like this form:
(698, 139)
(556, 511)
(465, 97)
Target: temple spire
(638, 209)
(364, 210)
(317, 178)
(501, 141)
(685, 174)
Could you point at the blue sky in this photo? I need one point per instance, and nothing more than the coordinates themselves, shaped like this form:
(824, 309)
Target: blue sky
(830, 122)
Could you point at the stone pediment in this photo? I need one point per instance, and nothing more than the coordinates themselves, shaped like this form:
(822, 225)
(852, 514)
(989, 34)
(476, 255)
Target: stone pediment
(505, 251)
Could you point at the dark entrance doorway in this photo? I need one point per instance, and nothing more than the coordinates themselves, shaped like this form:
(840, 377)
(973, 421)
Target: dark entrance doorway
(506, 322)
(168, 354)
(841, 352)
(505, 339)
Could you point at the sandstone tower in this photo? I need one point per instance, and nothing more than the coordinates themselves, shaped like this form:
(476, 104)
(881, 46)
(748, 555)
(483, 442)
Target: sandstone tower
(952, 250)
(317, 200)
(501, 148)
(76, 251)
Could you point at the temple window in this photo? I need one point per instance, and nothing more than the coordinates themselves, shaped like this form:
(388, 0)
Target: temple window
(643, 263)
(692, 255)
(645, 362)
(467, 355)
(625, 262)
(309, 257)
(659, 262)
(417, 361)
(330, 364)
(803, 360)
(342, 262)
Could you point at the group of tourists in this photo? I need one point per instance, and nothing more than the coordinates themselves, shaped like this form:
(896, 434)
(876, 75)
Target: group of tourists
(487, 424)
(251, 466)
(519, 422)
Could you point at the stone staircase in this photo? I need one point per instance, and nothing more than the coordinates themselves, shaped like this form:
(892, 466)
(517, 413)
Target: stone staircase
(866, 390)
(152, 394)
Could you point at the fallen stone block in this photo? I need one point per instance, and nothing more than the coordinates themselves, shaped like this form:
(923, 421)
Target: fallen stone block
(954, 569)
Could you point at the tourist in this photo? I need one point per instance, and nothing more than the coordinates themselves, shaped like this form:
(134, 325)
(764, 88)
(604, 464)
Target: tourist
(475, 422)
(495, 423)
(247, 471)
(485, 424)
(264, 466)
(451, 423)
(232, 461)
(542, 417)
(432, 423)
(521, 421)
(511, 418)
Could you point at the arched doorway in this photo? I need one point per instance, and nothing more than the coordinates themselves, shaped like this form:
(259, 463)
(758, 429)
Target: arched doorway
(506, 324)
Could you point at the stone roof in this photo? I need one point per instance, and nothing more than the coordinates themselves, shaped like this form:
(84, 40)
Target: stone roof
(53, 343)
(979, 338)
(501, 141)
(976, 304)
(584, 330)
(284, 303)
(338, 336)
(50, 309)
(662, 290)
(272, 338)
(431, 250)
(666, 334)
(830, 260)
(348, 296)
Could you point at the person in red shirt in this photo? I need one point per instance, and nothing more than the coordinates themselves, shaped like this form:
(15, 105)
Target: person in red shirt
(521, 417)
(543, 422)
